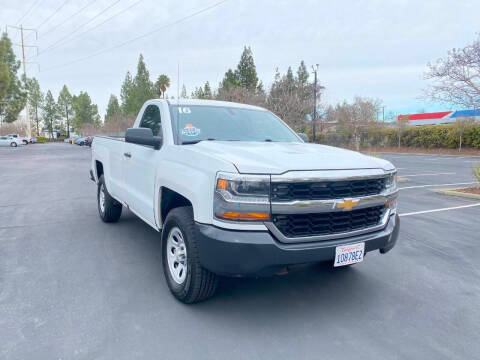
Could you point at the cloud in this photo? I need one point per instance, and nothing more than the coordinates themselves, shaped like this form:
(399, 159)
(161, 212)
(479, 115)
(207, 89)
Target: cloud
(369, 48)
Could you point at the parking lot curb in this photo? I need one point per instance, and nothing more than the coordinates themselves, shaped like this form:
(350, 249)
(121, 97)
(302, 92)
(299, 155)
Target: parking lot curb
(427, 154)
(454, 192)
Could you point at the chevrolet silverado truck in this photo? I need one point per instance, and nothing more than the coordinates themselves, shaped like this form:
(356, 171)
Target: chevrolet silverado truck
(234, 191)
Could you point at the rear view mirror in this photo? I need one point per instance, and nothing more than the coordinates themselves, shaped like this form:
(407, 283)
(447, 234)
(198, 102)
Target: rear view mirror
(143, 136)
(303, 136)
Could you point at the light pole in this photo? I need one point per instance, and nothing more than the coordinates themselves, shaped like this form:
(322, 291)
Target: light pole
(315, 69)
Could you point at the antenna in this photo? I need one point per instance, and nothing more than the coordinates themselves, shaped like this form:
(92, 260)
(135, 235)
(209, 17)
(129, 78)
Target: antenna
(178, 79)
(177, 130)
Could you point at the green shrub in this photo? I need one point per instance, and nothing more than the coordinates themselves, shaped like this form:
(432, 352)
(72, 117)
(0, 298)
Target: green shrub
(41, 139)
(426, 136)
(476, 171)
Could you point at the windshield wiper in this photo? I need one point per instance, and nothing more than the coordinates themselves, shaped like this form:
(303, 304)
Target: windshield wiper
(190, 142)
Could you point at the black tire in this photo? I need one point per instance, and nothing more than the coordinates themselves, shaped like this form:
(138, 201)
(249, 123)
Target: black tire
(25, 142)
(82, 143)
(112, 209)
(13, 144)
(199, 284)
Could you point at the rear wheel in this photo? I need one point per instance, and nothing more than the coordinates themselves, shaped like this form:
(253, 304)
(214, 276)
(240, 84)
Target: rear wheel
(109, 209)
(13, 144)
(187, 280)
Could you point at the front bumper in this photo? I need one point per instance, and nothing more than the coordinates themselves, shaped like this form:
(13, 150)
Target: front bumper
(258, 253)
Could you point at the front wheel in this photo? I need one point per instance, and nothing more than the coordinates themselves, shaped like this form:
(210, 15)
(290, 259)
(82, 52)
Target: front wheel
(109, 209)
(13, 144)
(187, 280)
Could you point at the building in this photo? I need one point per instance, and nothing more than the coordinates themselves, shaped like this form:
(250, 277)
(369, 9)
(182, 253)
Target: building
(438, 118)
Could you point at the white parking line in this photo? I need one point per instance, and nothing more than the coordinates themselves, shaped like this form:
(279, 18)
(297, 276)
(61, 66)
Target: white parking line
(442, 209)
(422, 186)
(431, 174)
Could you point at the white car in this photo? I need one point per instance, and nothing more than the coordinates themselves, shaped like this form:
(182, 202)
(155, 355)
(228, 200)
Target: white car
(10, 141)
(234, 191)
(24, 140)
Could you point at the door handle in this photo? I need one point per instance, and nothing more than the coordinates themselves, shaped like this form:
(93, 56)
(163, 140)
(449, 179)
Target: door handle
(128, 155)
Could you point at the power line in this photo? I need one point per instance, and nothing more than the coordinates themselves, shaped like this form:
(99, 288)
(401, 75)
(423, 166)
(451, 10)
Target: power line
(185, 18)
(48, 48)
(53, 14)
(34, 3)
(108, 19)
(68, 18)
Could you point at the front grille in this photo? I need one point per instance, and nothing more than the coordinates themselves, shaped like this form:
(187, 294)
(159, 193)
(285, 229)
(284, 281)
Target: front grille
(298, 225)
(326, 190)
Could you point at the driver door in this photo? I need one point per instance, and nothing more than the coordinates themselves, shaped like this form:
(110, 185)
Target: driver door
(141, 163)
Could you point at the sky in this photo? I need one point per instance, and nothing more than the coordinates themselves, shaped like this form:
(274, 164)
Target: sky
(369, 48)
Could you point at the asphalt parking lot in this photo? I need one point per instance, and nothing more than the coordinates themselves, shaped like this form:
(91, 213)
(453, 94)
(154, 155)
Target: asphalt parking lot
(73, 287)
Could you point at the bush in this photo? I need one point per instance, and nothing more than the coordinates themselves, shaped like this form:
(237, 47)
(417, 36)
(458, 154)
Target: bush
(41, 139)
(426, 136)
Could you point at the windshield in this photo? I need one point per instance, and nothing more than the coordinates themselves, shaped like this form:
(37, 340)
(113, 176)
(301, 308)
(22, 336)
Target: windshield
(196, 123)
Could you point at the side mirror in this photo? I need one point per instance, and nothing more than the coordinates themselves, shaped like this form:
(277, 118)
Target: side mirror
(143, 136)
(303, 136)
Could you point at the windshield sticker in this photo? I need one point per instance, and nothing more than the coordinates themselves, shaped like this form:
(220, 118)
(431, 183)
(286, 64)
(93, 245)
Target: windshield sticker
(184, 110)
(190, 130)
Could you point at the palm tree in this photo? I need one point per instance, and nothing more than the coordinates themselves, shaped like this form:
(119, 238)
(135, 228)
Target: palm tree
(163, 82)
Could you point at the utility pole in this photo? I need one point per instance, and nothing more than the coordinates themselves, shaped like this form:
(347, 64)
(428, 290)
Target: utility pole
(23, 46)
(315, 69)
(383, 112)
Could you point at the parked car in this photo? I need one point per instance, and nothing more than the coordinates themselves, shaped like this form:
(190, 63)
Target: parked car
(34, 140)
(24, 140)
(235, 192)
(80, 140)
(10, 141)
(89, 140)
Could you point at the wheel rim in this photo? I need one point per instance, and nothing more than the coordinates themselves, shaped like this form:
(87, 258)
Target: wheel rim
(177, 255)
(102, 198)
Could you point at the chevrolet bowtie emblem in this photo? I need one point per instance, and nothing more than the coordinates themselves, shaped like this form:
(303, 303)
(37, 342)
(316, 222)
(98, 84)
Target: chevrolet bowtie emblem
(346, 204)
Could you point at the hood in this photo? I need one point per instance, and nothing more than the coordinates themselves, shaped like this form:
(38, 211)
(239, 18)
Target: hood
(278, 158)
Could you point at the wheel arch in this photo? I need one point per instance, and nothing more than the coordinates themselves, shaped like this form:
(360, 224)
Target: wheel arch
(168, 200)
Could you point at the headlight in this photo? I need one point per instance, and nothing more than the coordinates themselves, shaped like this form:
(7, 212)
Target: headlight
(242, 197)
(391, 182)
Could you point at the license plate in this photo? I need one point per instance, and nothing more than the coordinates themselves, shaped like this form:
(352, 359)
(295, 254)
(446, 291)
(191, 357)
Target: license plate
(349, 254)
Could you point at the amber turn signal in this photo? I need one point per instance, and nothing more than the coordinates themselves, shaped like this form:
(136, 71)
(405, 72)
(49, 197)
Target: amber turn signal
(243, 216)
(390, 203)
(222, 184)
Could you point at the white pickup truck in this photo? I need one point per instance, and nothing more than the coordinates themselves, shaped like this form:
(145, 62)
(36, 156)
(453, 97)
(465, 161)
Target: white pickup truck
(235, 192)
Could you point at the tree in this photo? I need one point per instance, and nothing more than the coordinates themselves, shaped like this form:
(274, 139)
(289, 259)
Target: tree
(13, 95)
(35, 100)
(455, 79)
(85, 111)
(183, 94)
(302, 74)
(246, 72)
(291, 98)
(198, 93)
(207, 91)
(50, 113)
(127, 95)
(65, 107)
(113, 109)
(229, 81)
(161, 85)
(143, 88)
